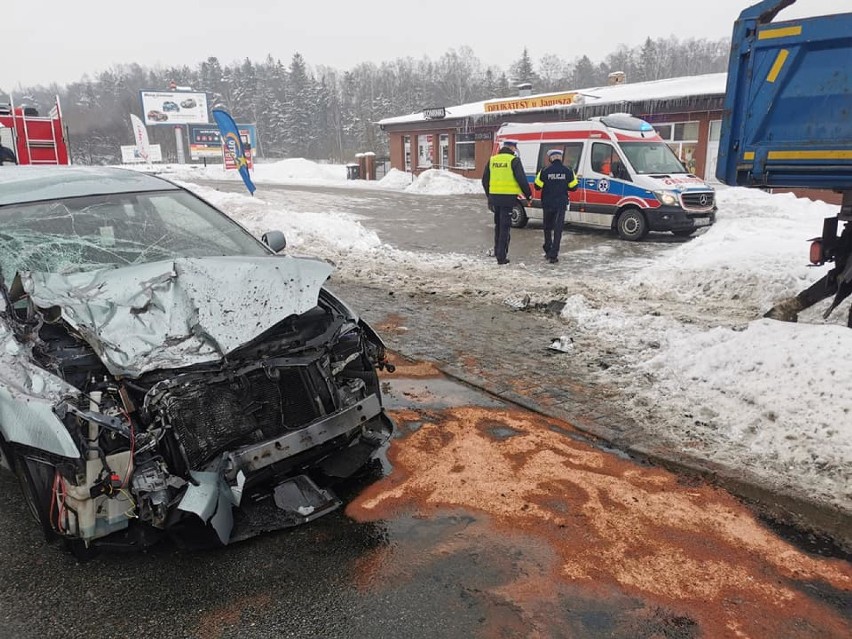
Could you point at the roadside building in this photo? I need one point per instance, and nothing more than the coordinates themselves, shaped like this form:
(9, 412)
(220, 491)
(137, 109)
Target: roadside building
(687, 112)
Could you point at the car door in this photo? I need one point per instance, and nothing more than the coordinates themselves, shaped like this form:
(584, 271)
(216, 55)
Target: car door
(601, 191)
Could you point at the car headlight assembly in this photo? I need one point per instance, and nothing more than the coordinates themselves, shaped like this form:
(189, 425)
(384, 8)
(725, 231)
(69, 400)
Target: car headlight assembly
(667, 197)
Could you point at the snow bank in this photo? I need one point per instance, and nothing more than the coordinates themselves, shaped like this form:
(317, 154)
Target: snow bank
(769, 398)
(304, 230)
(396, 180)
(757, 251)
(302, 171)
(440, 182)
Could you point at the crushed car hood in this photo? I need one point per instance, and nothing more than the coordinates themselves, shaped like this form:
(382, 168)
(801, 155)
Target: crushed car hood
(177, 313)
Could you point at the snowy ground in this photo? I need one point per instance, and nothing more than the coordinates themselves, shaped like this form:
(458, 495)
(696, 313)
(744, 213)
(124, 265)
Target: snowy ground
(697, 369)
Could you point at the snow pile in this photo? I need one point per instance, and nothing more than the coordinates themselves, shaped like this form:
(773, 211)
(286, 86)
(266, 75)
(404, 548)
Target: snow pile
(396, 180)
(289, 171)
(770, 398)
(757, 251)
(304, 230)
(440, 182)
(299, 169)
(302, 171)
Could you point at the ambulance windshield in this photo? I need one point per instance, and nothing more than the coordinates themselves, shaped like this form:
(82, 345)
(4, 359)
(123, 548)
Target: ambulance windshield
(652, 157)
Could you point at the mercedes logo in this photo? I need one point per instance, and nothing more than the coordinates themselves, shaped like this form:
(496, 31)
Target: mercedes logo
(704, 200)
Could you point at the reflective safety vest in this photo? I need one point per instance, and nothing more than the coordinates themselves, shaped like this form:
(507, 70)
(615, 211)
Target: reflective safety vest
(501, 177)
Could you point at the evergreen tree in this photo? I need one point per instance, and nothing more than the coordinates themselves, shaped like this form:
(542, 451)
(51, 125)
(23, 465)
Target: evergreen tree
(503, 88)
(212, 79)
(522, 70)
(298, 133)
(584, 74)
(649, 63)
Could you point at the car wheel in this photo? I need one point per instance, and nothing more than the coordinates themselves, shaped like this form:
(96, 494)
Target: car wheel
(35, 479)
(632, 225)
(683, 232)
(519, 217)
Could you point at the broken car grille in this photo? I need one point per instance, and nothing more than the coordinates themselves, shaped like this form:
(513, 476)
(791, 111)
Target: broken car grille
(208, 418)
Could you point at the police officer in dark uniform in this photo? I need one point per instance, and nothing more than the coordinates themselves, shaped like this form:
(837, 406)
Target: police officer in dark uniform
(504, 180)
(555, 181)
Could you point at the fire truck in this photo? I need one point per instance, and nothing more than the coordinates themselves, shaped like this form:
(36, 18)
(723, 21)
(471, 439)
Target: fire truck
(32, 138)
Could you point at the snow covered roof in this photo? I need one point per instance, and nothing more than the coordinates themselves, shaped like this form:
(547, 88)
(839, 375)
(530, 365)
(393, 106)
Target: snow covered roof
(710, 84)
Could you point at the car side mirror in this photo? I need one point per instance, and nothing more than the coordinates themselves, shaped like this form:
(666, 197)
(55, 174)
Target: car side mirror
(275, 240)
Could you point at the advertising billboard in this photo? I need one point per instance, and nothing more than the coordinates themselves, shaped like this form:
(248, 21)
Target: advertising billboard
(205, 141)
(130, 154)
(174, 107)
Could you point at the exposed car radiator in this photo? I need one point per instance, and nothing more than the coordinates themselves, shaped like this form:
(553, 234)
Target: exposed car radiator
(209, 417)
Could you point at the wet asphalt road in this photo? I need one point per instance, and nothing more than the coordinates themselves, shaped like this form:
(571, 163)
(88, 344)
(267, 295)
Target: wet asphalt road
(494, 522)
(462, 224)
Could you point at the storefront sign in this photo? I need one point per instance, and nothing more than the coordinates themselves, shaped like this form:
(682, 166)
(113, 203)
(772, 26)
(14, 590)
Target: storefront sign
(435, 113)
(532, 102)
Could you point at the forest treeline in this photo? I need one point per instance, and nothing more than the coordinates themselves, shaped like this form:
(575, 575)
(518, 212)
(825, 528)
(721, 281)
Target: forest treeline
(326, 114)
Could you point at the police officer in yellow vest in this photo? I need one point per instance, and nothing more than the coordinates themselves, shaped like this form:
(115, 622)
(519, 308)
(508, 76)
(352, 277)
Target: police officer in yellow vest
(504, 180)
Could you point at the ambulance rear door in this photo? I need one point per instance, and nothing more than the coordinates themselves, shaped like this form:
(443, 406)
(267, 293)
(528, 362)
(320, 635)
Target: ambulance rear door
(571, 154)
(528, 153)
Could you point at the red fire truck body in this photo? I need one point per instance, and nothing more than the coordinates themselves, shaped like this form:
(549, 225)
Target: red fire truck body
(35, 139)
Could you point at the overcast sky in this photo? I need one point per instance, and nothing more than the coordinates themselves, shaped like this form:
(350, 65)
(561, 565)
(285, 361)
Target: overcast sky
(61, 40)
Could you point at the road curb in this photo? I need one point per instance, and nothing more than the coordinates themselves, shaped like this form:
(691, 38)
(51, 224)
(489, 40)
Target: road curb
(790, 508)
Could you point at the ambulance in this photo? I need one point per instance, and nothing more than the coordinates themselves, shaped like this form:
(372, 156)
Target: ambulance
(630, 181)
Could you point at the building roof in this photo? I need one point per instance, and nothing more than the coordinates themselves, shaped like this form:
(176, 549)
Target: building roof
(710, 84)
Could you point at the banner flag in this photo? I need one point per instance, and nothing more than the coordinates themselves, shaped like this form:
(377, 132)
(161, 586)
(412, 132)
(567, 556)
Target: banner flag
(233, 145)
(140, 137)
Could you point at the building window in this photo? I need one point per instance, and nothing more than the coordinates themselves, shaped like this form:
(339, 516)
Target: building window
(686, 131)
(424, 151)
(465, 151)
(444, 146)
(406, 146)
(682, 138)
(570, 154)
(665, 131)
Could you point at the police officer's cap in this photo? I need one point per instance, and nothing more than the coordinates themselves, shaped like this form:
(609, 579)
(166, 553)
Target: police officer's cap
(554, 153)
(510, 143)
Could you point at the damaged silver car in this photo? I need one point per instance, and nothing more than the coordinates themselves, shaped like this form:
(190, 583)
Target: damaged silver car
(163, 373)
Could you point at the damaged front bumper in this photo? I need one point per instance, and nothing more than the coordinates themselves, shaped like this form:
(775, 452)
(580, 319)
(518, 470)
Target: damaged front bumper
(364, 426)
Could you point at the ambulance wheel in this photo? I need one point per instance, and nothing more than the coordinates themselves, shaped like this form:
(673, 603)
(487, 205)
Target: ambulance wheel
(519, 217)
(631, 225)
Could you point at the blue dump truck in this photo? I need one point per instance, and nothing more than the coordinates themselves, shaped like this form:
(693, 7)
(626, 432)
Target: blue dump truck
(787, 124)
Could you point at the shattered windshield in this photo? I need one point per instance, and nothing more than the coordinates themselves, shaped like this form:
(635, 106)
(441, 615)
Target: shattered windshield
(85, 233)
(652, 157)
